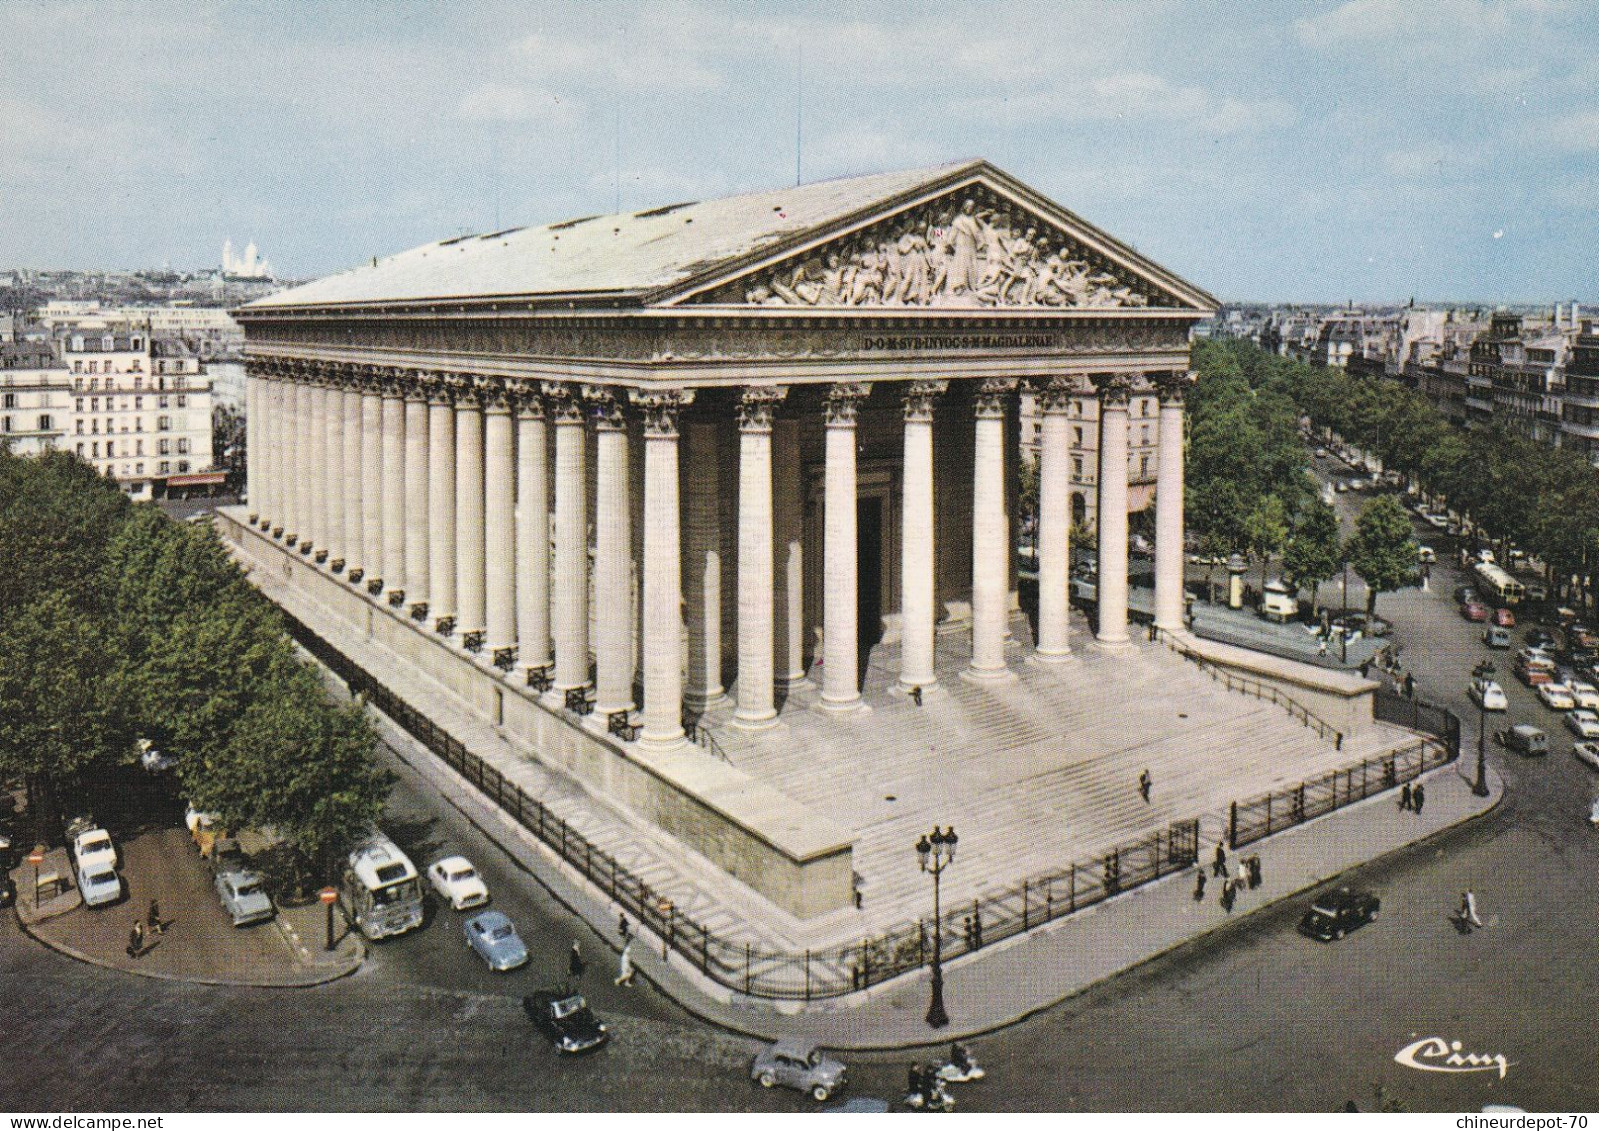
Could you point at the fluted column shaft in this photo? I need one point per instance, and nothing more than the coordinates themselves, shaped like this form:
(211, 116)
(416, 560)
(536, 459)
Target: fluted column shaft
(1112, 581)
(532, 536)
(917, 551)
(372, 482)
(788, 502)
(393, 490)
(663, 574)
(418, 563)
(469, 533)
(990, 533)
(702, 552)
(318, 472)
(252, 440)
(441, 508)
(1054, 523)
(1169, 510)
(333, 415)
(840, 551)
(499, 526)
(569, 613)
(613, 561)
(757, 702)
(300, 465)
(351, 487)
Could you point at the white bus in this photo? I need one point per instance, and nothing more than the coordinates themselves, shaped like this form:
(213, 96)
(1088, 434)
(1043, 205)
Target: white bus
(381, 892)
(1497, 586)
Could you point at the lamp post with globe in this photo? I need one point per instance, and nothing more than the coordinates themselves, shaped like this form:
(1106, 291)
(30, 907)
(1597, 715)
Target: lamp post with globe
(936, 851)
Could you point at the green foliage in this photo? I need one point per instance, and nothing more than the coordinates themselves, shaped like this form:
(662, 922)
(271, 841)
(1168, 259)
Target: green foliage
(1382, 550)
(1314, 552)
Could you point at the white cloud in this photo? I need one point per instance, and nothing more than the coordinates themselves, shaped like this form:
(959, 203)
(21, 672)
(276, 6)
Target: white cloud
(1137, 96)
(503, 102)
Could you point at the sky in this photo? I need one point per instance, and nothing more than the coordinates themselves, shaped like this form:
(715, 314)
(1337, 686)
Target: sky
(1374, 150)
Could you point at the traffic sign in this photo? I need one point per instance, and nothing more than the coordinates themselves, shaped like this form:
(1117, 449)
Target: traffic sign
(328, 895)
(36, 857)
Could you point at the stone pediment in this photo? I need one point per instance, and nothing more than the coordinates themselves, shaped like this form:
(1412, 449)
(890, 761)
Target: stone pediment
(976, 247)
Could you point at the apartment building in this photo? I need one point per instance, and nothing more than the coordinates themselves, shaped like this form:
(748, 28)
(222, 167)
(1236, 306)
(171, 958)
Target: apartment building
(35, 398)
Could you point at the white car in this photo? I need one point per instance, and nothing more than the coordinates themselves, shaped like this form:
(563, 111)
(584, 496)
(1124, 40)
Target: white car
(458, 883)
(1586, 694)
(99, 884)
(1583, 723)
(1489, 695)
(1587, 752)
(93, 847)
(1556, 697)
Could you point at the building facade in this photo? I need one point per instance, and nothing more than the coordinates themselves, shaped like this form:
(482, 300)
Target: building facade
(604, 476)
(35, 398)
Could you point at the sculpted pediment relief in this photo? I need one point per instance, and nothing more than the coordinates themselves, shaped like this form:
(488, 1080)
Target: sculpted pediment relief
(970, 249)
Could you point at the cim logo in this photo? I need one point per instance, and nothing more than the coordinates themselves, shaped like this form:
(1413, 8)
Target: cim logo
(1434, 1054)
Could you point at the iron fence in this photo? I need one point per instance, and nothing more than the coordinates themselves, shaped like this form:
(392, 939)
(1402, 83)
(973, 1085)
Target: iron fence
(1256, 819)
(1428, 718)
(1258, 688)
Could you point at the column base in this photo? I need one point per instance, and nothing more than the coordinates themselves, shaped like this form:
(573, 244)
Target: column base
(755, 724)
(504, 656)
(472, 640)
(988, 675)
(1039, 656)
(444, 626)
(855, 706)
(1113, 643)
(663, 743)
(705, 703)
(800, 682)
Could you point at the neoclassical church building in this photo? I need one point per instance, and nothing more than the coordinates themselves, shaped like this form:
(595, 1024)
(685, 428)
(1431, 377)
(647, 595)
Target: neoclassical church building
(640, 490)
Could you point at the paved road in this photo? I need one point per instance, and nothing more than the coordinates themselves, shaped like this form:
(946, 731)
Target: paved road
(1251, 1018)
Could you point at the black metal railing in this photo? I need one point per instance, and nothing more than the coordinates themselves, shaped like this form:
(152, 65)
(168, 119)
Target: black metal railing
(1428, 718)
(1260, 689)
(1260, 817)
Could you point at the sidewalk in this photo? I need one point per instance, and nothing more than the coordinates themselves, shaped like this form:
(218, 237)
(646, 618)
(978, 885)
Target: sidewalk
(199, 943)
(1004, 983)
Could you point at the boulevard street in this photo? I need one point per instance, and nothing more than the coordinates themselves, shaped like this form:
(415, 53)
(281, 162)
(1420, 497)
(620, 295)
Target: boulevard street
(1252, 1017)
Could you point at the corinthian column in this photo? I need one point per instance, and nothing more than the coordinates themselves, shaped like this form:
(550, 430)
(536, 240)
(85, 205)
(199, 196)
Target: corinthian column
(354, 522)
(1054, 521)
(756, 677)
(1112, 582)
(990, 533)
(788, 503)
(569, 608)
(441, 506)
(613, 557)
(372, 481)
(840, 568)
(393, 489)
(469, 533)
(418, 567)
(532, 533)
(299, 460)
(333, 488)
(917, 551)
(318, 471)
(1169, 505)
(663, 571)
(702, 553)
(252, 438)
(499, 528)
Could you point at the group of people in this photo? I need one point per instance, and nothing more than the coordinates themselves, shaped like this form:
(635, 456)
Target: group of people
(1248, 876)
(137, 935)
(1412, 797)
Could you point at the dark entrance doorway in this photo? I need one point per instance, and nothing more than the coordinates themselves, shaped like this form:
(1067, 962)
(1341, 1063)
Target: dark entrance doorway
(869, 577)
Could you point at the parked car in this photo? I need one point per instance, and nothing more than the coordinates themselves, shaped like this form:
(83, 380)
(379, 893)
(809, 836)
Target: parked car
(91, 845)
(244, 896)
(1524, 739)
(99, 885)
(1555, 696)
(565, 1018)
(1472, 611)
(1585, 693)
(1426, 555)
(494, 937)
(1504, 618)
(1587, 752)
(458, 883)
(797, 1063)
(1489, 695)
(1436, 521)
(1583, 723)
(1336, 913)
(1496, 637)
(1539, 638)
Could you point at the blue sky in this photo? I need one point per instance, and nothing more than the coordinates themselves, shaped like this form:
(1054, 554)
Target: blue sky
(1372, 149)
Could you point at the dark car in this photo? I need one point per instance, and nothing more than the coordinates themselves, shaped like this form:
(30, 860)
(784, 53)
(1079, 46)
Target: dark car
(565, 1019)
(1537, 637)
(1336, 913)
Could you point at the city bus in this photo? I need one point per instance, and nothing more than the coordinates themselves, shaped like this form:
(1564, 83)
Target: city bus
(1497, 586)
(380, 892)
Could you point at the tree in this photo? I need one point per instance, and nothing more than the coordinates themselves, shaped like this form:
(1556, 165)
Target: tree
(1266, 529)
(1382, 550)
(1314, 552)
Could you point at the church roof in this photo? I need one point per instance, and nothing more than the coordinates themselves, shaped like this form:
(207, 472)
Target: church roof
(638, 258)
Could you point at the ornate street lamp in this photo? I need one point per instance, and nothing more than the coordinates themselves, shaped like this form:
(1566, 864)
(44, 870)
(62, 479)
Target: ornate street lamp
(1483, 670)
(936, 851)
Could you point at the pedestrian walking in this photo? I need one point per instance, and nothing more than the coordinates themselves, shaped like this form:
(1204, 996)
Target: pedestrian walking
(156, 925)
(574, 961)
(1321, 647)
(1417, 797)
(1219, 868)
(977, 929)
(1468, 909)
(136, 940)
(1254, 872)
(1228, 895)
(1243, 874)
(1410, 685)
(624, 929)
(1199, 883)
(1144, 785)
(624, 968)
(1404, 796)
(966, 933)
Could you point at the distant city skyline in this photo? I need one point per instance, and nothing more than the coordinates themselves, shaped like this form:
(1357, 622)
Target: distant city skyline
(1369, 150)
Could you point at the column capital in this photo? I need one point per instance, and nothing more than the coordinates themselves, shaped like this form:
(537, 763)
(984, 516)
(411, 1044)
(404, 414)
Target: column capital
(605, 408)
(660, 408)
(756, 406)
(1113, 388)
(992, 393)
(466, 390)
(1054, 395)
(414, 385)
(529, 401)
(1172, 385)
(843, 402)
(563, 403)
(496, 395)
(919, 398)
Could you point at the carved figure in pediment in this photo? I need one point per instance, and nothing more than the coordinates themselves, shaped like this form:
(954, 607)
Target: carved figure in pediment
(867, 285)
(915, 270)
(888, 256)
(966, 231)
